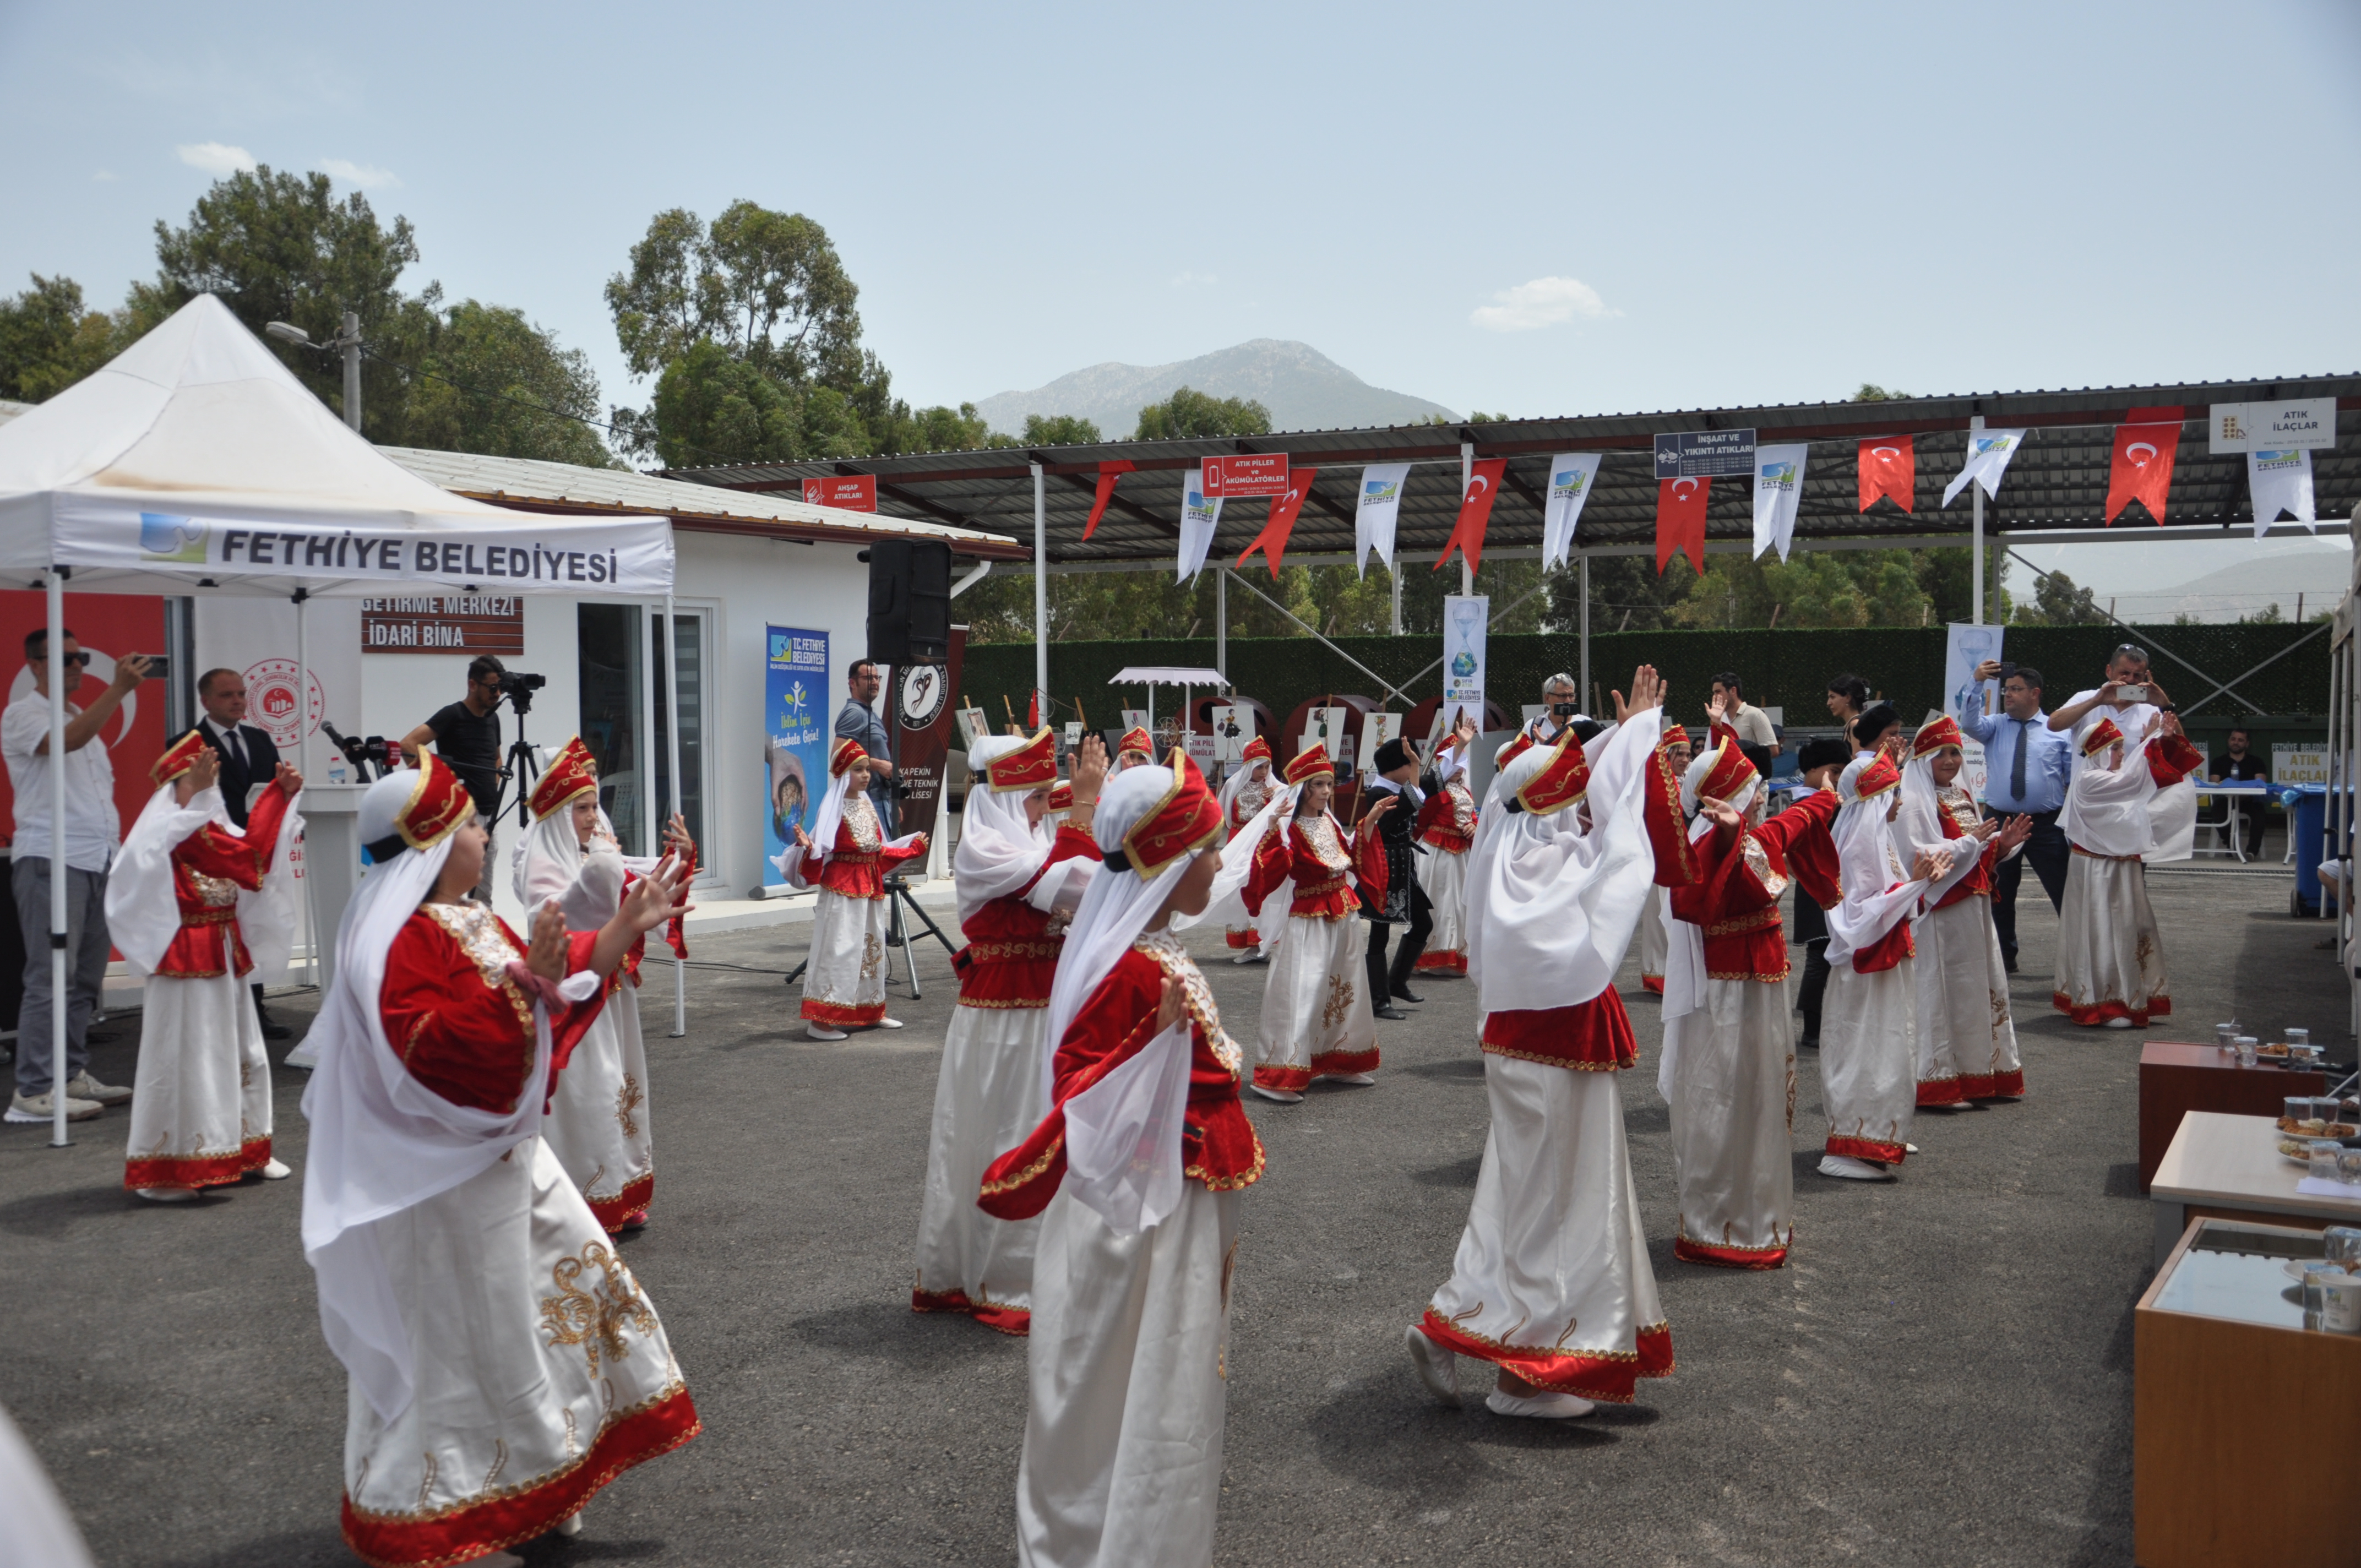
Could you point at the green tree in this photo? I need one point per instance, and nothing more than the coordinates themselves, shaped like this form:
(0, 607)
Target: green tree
(2057, 601)
(489, 380)
(1050, 430)
(1189, 414)
(49, 340)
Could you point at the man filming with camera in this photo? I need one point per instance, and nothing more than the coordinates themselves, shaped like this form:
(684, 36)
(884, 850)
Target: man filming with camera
(466, 736)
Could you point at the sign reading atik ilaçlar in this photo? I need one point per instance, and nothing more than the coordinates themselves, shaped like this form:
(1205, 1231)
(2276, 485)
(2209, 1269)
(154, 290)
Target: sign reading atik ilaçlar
(443, 623)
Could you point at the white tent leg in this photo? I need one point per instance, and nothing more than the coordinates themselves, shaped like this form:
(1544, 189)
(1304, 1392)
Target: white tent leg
(672, 747)
(1041, 591)
(1585, 690)
(303, 765)
(57, 650)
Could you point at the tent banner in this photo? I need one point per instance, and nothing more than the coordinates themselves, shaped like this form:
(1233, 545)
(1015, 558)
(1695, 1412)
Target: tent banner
(630, 555)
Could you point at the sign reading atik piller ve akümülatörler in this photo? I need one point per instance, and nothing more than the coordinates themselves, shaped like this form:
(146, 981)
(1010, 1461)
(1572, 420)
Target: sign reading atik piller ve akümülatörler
(443, 623)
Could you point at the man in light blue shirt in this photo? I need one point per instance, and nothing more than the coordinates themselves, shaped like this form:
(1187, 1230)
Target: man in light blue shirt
(2027, 768)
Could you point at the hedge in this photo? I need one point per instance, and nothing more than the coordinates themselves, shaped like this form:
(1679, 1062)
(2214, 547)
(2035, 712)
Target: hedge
(1787, 669)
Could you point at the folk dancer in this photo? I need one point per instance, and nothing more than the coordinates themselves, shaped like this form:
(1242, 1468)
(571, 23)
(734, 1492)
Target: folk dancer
(183, 886)
(1446, 829)
(1018, 885)
(1137, 1172)
(1244, 794)
(1729, 1068)
(1062, 802)
(1551, 1283)
(1869, 1031)
(847, 857)
(504, 1363)
(1316, 1018)
(2110, 969)
(1398, 790)
(1966, 1042)
(1818, 761)
(1135, 750)
(1654, 932)
(600, 1125)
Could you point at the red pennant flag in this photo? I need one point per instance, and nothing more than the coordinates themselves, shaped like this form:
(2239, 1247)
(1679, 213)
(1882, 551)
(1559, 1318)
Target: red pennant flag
(1680, 521)
(1475, 511)
(1889, 467)
(1272, 539)
(1033, 713)
(2141, 470)
(1107, 472)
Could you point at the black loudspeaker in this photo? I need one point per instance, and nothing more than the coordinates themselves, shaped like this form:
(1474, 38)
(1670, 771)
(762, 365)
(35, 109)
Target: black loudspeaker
(909, 601)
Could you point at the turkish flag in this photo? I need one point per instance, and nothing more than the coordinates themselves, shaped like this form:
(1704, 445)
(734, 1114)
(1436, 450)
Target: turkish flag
(2141, 469)
(1107, 472)
(1475, 511)
(1680, 521)
(1889, 467)
(1272, 539)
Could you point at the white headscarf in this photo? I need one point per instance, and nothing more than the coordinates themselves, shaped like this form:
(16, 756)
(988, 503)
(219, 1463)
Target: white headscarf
(382, 1142)
(1878, 889)
(2107, 801)
(1552, 907)
(1235, 785)
(1000, 850)
(1920, 827)
(550, 865)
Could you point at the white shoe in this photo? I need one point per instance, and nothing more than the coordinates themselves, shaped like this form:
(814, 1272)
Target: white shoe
(44, 1108)
(571, 1525)
(1364, 1078)
(1283, 1096)
(82, 1086)
(889, 1022)
(1853, 1169)
(2112, 1024)
(276, 1170)
(1244, 958)
(1547, 1407)
(816, 1030)
(1438, 1368)
(166, 1194)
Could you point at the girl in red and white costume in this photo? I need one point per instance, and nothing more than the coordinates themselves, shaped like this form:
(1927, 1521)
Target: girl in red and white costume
(1135, 750)
(1869, 1023)
(600, 1125)
(1551, 1283)
(504, 1363)
(1017, 886)
(1137, 1173)
(1446, 826)
(2110, 954)
(1244, 794)
(184, 884)
(1316, 1017)
(1967, 1041)
(847, 857)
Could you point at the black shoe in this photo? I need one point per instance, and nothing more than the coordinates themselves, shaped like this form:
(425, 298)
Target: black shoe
(1808, 1043)
(271, 1030)
(1390, 1011)
(2009, 962)
(1404, 993)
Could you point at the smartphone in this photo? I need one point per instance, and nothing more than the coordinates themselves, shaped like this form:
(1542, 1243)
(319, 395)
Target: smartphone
(2131, 694)
(157, 665)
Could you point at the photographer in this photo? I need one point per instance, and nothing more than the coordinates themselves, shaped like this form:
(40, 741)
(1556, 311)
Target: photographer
(857, 722)
(1560, 705)
(466, 736)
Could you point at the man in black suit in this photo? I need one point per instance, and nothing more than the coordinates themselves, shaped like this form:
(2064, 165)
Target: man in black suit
(248, 758)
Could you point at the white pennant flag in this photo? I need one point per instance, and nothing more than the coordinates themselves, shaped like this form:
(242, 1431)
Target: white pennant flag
(2282, 481)
(1988, 454)
(1198, 515)
(1571, 474)
(1778, 486)
(1372, 518)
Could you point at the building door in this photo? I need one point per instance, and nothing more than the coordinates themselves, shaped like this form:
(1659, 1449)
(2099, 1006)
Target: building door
(681, 666)
(627, 719)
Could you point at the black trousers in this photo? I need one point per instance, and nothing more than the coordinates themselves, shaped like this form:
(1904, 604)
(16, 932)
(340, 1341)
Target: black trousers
(2045, 849)
(1816, 983)
(1385, 981)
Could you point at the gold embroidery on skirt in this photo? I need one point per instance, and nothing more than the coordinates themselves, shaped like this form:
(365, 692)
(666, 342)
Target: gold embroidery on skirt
(595, 1319)
(873, 956)
(426, 1480)
(1340, 1001)
(500, 1463)
(628, 1099)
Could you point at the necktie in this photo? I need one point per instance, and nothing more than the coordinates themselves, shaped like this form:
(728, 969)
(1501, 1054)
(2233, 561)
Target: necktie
(2016, 768)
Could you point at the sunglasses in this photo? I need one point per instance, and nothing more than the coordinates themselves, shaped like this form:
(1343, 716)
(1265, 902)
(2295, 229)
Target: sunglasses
(69, 658)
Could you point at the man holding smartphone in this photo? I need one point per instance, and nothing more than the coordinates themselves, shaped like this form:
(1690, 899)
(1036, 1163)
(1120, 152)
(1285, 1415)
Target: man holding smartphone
(2129, 696)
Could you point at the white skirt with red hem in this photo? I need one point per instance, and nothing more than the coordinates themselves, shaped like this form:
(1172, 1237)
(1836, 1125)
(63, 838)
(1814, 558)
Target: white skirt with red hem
(1733, 1106)
(987, 1099)
(201, 1095)
(2110, 953)
(844, 986)
(1443, 873)
(1869, 1060)
(598, 1122)
(1317, 1021)
(1967, 1040)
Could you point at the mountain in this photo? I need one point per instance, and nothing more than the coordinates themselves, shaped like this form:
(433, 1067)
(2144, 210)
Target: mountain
(1303, 388)
(2313, 575)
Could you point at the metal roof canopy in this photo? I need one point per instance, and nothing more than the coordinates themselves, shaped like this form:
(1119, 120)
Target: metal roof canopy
(2059, 480)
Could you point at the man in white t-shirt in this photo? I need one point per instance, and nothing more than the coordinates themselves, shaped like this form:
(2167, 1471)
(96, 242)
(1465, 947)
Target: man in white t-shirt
(2128, 670)
(93, 835)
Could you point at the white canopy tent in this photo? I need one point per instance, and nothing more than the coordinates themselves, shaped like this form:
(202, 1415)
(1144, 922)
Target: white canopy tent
(1154, 676)
(196, 463)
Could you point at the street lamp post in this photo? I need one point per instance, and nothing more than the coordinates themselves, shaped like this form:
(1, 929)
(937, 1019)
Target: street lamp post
(348, 342)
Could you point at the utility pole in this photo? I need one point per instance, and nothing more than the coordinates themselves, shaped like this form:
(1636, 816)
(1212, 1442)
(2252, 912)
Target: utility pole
(351, 344)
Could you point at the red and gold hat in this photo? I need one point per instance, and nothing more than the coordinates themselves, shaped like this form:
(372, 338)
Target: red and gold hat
(1061, 796)
(1309, 764)
(1935, 734)
(1029, 767)
(841, 760)
(1257, 751)
(1512, 751)
(1727, 772)
(1136, 742)
(570, 776)
(438, 805)
(1878, 776)
(1187, 818)
(179, 758)
(2100, 736)
(1563, 780)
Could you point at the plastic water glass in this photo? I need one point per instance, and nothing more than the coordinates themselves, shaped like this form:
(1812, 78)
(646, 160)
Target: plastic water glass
(2341, 1245)
(2324, 1111)
(2323, 1160)
(2226, 1037)
(2297, 1110)
(2348, 1166)
(2246, 1044)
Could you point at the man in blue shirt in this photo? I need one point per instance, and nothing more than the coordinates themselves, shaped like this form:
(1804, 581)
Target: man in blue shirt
(2027, 766)
(856, 720)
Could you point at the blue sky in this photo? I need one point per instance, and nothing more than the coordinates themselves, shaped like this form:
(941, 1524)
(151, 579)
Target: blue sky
(1536, 210)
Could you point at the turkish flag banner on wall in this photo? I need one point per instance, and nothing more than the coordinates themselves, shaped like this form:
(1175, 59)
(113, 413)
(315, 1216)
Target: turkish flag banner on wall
(1680, 521)
(1272, 539)
(1889, 467)
(1107, 472)
(1475, 511)
(2141, 468)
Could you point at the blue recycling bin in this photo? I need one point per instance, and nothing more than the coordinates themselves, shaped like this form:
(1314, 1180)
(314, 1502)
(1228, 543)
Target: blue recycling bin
(2306, 810)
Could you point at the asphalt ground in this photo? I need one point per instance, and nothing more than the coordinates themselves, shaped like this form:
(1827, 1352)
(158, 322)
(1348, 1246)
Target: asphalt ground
(1942, 1375)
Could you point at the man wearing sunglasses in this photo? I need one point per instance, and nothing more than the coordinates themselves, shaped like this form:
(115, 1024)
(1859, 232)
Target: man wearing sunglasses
(93, 835)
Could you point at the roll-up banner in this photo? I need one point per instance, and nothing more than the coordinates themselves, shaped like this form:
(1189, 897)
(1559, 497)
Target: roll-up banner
(1465, 620)
(924, 692)
(796, 739)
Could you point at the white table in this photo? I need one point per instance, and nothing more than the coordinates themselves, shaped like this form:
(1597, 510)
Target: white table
(2230, 1167)
(2258, 791)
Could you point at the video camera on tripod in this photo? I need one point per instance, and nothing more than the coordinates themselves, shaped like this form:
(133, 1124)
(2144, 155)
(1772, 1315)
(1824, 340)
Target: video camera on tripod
(519, 689)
